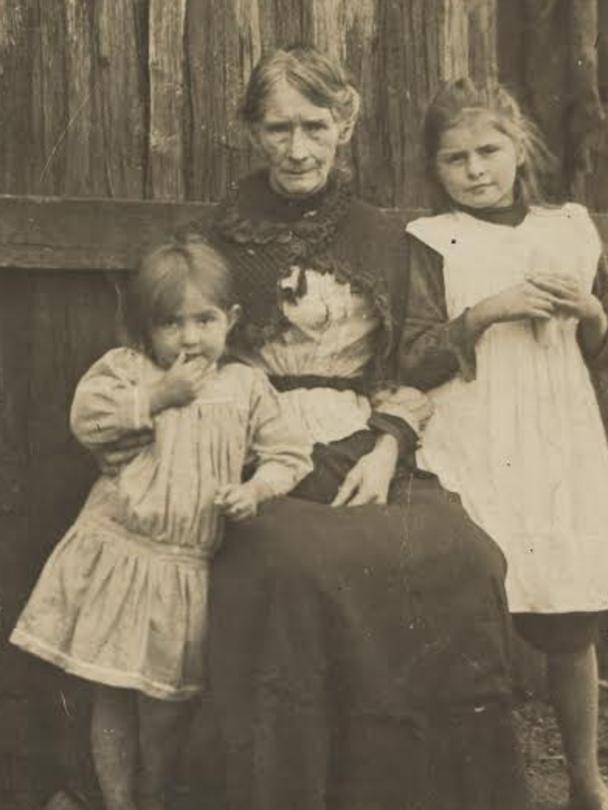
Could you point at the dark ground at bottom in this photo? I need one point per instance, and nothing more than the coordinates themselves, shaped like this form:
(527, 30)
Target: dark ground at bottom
(543, 753)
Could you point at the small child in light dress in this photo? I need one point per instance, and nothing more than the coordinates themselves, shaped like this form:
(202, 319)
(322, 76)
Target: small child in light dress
(508, 319)
(122, 601)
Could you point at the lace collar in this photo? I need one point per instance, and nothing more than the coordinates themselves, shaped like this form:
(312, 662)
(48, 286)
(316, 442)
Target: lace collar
(259, 217)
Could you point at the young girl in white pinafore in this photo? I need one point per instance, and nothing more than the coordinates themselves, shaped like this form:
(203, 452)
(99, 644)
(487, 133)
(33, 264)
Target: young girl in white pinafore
(507, 301)
(122, 599)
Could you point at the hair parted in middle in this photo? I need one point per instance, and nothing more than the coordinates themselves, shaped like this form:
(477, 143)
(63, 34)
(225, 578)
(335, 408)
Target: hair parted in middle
(156, 289)
(323, 81)
(460, 100)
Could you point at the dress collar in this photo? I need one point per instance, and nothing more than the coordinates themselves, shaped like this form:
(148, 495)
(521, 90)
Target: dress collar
(259, 201)
(511, 216)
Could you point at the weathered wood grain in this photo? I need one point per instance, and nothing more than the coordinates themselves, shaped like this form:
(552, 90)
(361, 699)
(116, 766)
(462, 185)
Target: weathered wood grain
(49, 97)
(223, 43)
(17, 143)
(454, 39)
(55, 234)
(83, 173)
(166, 69)
(76, 234)
(482, 41)
(120, 28)
(128, 98)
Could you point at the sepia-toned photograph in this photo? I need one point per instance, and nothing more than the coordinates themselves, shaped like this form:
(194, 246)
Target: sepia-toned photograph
(303, 405)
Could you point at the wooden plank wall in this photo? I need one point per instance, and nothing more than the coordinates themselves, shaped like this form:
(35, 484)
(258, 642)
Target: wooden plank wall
(554, 56)
(139, 99)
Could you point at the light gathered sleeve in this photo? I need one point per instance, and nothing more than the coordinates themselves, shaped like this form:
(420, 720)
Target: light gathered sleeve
(282, 453)
(111, 400)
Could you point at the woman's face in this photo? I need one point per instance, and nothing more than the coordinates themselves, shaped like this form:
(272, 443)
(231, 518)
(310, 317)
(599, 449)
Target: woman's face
(298, 140)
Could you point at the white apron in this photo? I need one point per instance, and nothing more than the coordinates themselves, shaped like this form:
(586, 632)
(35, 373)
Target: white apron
(523, 443)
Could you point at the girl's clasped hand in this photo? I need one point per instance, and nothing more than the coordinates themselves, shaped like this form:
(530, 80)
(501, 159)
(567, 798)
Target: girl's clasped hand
(540, 297)
(567, 296)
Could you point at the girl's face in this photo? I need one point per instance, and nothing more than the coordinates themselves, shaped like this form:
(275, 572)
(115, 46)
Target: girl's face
(298, 140)
(477, 164)
(198, 328)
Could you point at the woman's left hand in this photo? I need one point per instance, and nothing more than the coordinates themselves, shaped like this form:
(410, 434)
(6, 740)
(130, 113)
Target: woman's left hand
(369, 480)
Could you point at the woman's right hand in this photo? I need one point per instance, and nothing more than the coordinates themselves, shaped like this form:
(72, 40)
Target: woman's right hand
(524, 300)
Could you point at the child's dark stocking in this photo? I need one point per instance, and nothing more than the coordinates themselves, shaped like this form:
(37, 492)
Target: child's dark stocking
(114, 745)
(162, 727)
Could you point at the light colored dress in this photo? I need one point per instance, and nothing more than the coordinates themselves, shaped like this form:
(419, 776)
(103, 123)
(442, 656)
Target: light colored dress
(523, 443)
(123, 598)
(331, 334)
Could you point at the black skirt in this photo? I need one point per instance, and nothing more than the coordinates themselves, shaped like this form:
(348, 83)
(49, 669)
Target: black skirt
(359, 657)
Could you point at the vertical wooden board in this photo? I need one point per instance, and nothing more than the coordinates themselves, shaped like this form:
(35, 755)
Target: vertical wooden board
(71, 324)
(288, 21)
(483, 42)
(545, 68)
(83, 167)
(120, 89)
(17, 35)
(510, 54)
(223, 44)
(453, 29)
(362, 57)
(166, 70)
(407, 77)
(15, 308)
(596, 185)
(16, 571)
(50, 113)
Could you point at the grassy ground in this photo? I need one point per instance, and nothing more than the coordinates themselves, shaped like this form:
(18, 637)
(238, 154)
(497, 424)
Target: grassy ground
(543, 754)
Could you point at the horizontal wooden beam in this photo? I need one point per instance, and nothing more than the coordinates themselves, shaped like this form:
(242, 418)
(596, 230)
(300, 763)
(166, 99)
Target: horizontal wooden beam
(55, 233)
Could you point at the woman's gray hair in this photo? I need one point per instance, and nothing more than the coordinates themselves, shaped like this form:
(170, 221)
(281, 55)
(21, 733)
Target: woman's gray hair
(322, 81)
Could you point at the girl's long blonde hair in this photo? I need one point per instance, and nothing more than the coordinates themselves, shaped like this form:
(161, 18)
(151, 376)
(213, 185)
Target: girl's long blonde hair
(461, 98)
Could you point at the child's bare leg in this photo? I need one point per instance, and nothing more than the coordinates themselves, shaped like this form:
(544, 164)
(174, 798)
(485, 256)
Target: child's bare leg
(114, 745)
(162, 726)
(573, 680)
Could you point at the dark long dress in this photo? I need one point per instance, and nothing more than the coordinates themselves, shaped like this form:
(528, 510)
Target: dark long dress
(359, 657)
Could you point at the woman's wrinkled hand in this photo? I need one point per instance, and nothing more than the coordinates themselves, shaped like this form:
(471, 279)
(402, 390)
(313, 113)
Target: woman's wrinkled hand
(112, 457)
(370, 479)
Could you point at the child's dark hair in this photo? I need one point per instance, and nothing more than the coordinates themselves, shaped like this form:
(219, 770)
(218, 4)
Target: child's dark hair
(156, 289)
(460, 99)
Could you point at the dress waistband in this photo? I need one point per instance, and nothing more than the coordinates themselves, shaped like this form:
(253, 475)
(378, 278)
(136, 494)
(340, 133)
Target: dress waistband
(106, 528)
(289, 382)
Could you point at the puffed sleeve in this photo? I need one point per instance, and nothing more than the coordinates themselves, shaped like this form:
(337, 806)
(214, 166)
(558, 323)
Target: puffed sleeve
(433, 348)
(598, 360)
(110, 400)
(282, 453)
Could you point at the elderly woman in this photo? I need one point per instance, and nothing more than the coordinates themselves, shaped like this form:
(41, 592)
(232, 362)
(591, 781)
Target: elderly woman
(358, 638)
